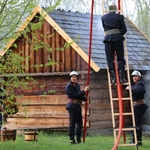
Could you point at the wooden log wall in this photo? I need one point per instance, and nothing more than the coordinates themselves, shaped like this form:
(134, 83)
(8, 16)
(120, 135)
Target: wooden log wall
(100, 117)
(99, 113)
(37, 110)
(65, 59)
(45, 46)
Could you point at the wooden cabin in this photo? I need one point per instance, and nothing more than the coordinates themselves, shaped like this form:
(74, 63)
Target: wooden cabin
(40, 110)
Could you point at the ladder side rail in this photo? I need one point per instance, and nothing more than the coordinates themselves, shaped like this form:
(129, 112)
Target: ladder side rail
(130, 92)
(111, 103)
(120, 102)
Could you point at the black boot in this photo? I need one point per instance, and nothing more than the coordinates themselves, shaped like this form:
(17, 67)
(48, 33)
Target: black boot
(78, 140)
(121, 77)
(139, 143)
(72, 142)
(112, 77)
(132, 141)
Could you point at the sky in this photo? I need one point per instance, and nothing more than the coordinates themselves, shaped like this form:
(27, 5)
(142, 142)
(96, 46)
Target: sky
(85, 6)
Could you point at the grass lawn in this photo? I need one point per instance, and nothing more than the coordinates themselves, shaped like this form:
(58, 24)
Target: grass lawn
(57, 141)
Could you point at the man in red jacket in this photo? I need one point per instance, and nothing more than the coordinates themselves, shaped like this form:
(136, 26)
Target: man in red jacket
(75, 98)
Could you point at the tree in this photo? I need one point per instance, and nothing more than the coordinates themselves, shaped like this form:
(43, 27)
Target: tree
(143, 16)
(12, 14)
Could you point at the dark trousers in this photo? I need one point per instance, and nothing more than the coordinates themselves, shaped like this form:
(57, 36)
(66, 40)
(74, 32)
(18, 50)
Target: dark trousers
(110, 49)
(139, 111)
(75, 124)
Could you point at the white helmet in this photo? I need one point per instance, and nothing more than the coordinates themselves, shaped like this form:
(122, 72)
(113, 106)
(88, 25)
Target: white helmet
(74, 73)
(136, 73)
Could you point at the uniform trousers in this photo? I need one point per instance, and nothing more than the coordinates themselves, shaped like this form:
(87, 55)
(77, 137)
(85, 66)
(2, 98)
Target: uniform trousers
(139, 111)
(110, 49)
(75, 123)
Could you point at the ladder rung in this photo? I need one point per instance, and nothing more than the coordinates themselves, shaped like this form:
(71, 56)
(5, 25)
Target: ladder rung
(127, 83)
(126, 129)
(127, 144)
(117, 114)
(125, 98)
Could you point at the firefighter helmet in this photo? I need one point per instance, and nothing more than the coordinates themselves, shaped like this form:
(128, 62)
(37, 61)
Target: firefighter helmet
(74, 73)
(136, 73)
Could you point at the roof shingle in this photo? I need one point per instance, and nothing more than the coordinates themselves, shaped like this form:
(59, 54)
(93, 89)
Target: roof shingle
(77, 25)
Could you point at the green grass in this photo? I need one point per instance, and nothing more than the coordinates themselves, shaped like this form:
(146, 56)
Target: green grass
(57, 141)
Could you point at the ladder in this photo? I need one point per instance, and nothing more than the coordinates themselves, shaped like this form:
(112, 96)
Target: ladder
(119, 98)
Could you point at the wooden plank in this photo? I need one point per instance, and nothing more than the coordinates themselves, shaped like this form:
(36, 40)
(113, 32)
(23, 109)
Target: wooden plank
(47, 99)
(50, 109)
(46, 108)
(44, 74)
(23, 50)
(50, 44)
(57, 54)
(103, 106)
(26, 52)
(31, 51)
(39, 114)
(28, 122)
(46, 40)
(100, 116)
(36, 123)
(74, 59)
(53, 41)
(38, 52)
(78, 67)
(67, 59)
(84, 65)
(62, 56)
(47, 85)
(100, 125)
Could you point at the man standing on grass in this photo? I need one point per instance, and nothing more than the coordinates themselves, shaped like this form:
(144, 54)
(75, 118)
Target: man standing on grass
(75, 98)
(138, 91)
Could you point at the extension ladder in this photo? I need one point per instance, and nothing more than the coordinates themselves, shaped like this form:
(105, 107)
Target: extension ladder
(119, 98)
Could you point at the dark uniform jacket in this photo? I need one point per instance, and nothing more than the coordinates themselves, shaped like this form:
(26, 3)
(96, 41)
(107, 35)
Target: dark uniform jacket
(113, 20)
(138, 91)
(73, 91)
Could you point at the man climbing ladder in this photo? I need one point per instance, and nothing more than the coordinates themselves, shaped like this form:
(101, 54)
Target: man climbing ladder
(115, 28)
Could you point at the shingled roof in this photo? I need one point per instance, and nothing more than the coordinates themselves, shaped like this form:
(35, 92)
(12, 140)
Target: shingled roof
(73, 25)
(77, 25)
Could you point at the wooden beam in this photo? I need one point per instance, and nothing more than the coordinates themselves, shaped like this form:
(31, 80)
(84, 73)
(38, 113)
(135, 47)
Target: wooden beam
(43, 74)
